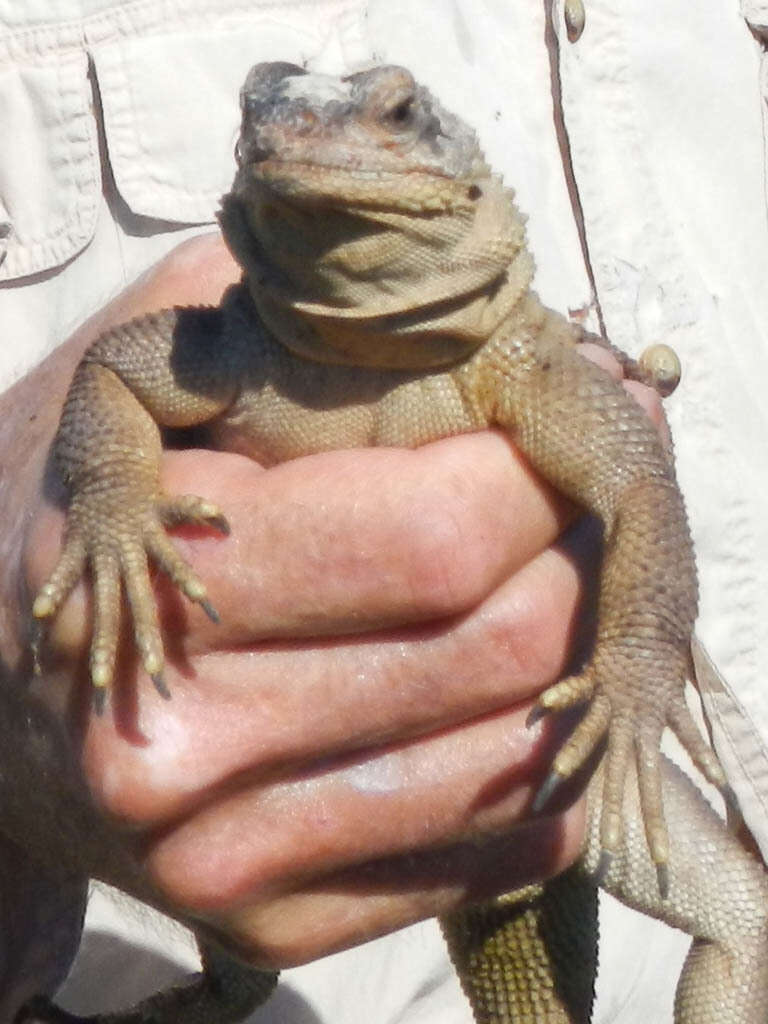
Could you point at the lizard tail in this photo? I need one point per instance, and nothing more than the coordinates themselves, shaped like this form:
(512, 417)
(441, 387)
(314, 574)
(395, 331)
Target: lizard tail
(530, 955)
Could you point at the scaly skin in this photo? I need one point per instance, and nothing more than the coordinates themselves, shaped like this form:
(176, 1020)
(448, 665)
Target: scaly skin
(386, 300)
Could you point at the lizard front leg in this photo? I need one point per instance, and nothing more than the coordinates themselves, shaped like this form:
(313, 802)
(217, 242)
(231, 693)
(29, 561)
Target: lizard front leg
(107, 450)
(591, 440)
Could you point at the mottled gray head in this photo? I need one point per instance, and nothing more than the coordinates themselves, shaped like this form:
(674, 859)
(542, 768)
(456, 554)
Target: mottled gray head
(377, 120)
(359, 201)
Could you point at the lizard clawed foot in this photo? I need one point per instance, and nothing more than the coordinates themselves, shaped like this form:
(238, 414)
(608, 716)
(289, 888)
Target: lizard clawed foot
(116, 540)
(632, 726)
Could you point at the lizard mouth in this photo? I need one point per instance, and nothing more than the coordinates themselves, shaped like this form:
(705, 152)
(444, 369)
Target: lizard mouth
(412, 189)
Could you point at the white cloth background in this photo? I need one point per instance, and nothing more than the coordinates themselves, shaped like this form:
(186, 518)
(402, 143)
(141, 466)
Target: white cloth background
(662, 108)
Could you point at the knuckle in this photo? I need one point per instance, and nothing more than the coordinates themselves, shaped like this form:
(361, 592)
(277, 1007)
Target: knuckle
(446, 569)
(528, 633)
(216, 883)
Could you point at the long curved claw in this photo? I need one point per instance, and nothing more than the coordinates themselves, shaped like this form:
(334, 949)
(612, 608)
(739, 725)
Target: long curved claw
(210, 611)
(68, 572)
(546, 791)
(160, 685)
(536, 714)
(99, 699)
(603, 866)
(662, 880)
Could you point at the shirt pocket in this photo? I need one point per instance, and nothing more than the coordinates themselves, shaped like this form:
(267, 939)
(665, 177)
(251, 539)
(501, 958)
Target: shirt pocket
(171, 113)
(49, 174)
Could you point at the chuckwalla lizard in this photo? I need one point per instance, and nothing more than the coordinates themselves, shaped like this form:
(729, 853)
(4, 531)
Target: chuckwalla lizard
(386, 300)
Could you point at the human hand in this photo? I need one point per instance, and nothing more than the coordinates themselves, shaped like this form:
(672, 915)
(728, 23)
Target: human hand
(334, 749)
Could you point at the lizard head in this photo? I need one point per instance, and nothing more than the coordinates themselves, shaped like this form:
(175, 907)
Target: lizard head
(369, 226)
(366, 126)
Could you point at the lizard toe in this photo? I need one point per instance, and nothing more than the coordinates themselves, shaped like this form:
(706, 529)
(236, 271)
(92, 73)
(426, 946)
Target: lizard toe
(192, 510)
(105, 570)
(648, 747)
(67, 573)
(146, 623)
(577, 748)
(585, 737)
(682, 723)
(167, 558)
(567, 693)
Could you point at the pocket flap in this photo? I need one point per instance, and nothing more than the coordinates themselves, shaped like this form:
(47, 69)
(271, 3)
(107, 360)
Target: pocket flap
(49, 175)
(171, 113)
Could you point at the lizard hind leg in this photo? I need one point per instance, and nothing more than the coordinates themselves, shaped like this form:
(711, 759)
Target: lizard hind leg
(718, 894)
(746, 969)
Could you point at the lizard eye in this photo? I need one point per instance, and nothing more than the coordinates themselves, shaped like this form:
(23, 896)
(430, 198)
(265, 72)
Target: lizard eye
(401, 114)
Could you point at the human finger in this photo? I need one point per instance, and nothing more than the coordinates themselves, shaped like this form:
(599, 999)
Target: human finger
(323, 698)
